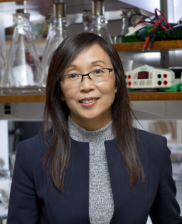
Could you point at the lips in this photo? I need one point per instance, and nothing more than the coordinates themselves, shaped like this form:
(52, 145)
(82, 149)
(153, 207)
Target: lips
(88, 100)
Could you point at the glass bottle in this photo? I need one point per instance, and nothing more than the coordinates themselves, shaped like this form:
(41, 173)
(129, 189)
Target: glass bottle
(99, 23)
(23, 70)
(87, 20)
(56, 35)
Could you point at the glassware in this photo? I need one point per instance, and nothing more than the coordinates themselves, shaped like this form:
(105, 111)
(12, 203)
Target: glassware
(87, 20)
(2, 64)
(4, 174)
(2, 59)
(125, 21)
(55, 36)
(23, 70)
(4, 200)
(99, 23)
(125, 15)
(49, 18)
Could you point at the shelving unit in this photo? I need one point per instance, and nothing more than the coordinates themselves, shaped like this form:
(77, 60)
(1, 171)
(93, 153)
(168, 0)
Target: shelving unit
(22, 98)
(12, 0)
(134, 46)
(147, 106)
(158, 45)
(138, 96)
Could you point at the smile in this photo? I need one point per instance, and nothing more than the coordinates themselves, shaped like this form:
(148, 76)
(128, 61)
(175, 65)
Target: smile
(88, 101)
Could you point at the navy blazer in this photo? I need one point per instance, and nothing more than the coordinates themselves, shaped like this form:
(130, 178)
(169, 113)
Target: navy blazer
(35, 200)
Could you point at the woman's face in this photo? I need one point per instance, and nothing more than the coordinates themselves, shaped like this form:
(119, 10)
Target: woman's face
(85, 113)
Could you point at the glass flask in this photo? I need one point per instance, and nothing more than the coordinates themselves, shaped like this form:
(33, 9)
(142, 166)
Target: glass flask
(49, 18)
(87, 20)
(125, 15)
(125, 21)
(23, 69)
(2, 64)
(56, 35)
(99, 23)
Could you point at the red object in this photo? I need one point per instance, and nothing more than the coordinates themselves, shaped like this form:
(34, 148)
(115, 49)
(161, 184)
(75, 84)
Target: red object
(129, 76)
(163, 17)
(148, 38)
(165, 82)
(129, 83)
(165, 76)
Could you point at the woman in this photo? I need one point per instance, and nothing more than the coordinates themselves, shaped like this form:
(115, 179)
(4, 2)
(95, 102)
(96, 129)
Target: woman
(91, 165)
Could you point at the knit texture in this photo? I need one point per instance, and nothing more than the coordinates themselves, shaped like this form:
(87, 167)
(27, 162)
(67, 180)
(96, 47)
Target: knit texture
(101, 204)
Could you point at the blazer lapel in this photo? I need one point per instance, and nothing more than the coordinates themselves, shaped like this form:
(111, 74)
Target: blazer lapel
(73, 206)
(127, 204)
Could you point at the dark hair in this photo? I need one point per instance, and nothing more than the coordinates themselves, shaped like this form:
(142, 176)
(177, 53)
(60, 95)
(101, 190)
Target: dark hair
(57, 157)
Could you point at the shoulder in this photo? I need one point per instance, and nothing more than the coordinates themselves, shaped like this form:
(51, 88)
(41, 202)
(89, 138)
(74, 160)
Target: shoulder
(150, 139)
(152, 146)
(33, 147)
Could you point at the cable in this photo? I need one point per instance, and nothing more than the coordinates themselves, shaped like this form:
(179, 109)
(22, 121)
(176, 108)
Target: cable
(148, 38)
(169, 26)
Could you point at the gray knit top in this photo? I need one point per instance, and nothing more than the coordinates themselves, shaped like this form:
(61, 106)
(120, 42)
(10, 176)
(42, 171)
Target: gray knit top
(101, 204)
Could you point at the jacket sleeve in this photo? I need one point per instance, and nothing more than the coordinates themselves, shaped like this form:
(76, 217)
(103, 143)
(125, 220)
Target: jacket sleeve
(165, 208)
(23, 205)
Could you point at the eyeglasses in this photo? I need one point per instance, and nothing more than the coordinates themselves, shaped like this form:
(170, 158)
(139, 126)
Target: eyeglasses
(96, 75)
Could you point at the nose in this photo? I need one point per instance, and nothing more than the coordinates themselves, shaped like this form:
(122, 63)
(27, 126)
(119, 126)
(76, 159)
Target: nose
(86, 84)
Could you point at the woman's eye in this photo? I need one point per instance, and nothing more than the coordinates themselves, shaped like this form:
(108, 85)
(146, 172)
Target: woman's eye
(98, 71)
(73, 76)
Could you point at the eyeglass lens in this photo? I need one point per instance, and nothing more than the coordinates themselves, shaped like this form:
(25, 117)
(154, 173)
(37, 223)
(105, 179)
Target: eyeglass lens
(96, 76)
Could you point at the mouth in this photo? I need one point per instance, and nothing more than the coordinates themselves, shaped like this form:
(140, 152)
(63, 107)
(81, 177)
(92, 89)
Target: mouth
(88, 101)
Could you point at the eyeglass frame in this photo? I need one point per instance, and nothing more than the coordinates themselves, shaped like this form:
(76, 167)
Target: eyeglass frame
(110, 70)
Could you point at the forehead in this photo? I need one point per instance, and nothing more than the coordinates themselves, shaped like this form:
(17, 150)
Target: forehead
(92, 53)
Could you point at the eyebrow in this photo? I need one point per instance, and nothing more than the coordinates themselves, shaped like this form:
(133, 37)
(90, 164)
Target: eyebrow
(98, 61)
(94, 62)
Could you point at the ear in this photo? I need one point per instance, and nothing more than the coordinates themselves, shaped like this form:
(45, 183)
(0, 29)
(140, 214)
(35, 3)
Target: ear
(116, 90)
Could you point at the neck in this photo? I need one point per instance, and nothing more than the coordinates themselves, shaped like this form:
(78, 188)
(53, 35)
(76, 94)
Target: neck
(91, 124)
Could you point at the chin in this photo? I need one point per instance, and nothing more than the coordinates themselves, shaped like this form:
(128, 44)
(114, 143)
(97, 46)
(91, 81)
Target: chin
(89, 116)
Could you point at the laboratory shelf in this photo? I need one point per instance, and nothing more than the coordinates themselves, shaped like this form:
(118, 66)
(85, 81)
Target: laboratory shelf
(153, 96)
(133, 46)
(22, 98)
(137, 96)
(158, 45)
(146, 106)
(11, 1)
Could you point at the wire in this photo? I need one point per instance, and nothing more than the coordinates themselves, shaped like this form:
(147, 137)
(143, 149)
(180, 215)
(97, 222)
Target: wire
(148, 38)
(169, 26)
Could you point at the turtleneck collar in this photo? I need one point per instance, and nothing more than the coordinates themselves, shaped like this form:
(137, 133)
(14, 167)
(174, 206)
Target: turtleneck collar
(80, 134)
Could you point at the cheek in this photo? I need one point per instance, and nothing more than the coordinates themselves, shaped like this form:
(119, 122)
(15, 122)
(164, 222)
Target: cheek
(108, 94)
(108, 88)
(68, 95)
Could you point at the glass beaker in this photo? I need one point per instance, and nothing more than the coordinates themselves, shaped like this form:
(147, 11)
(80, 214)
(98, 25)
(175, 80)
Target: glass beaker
(56, 35)
(87, 20)
(23, 70)
(99, 23)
